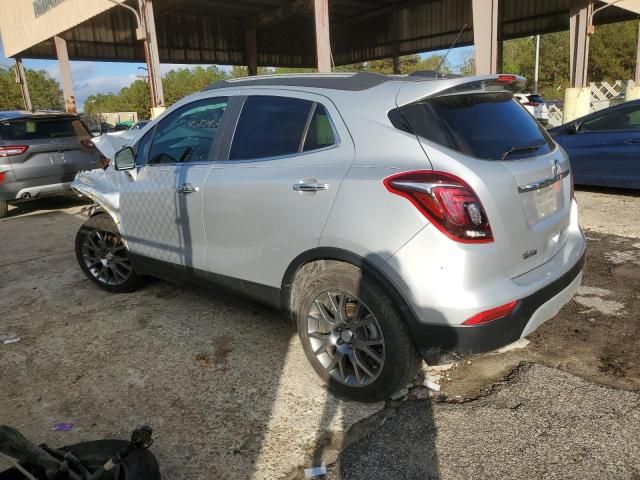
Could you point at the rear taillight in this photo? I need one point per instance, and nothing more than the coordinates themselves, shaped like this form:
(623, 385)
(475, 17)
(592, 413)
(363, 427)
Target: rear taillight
(447, 201)
(1, 177)
(492, 314)
(13, 150)
(87, 143)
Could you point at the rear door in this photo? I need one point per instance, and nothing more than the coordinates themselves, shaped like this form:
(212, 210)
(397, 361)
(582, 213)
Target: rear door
(606, 148)
(269, 200)
(486, 138)
(57, 148)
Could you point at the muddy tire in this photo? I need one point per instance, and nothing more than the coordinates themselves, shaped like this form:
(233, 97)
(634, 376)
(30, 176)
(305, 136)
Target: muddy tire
(351, 332)
(4, 208)
(103, 256)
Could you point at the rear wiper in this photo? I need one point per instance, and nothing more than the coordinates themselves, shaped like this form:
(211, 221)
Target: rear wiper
(525, 148)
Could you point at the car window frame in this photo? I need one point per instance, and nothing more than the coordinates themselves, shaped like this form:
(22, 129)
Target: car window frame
(214, 150)
(242, 99)
(598, 115)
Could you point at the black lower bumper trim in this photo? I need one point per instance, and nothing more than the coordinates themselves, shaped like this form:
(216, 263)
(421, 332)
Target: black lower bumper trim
(437, 343)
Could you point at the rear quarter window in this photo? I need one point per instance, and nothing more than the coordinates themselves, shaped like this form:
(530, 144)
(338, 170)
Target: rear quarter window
(39, 129)
(481, 125)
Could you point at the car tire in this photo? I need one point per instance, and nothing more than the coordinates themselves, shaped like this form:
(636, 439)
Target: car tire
(4, 208)
(369, 332)
(103, 256)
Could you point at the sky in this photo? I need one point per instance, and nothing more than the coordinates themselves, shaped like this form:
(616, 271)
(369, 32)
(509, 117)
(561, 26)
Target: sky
(90, 78)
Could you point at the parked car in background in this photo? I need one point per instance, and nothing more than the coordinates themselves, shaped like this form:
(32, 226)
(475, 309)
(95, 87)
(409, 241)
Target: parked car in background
(604, 146)
(387, 214)
(535, 105)
(139, 125)
(40, 154)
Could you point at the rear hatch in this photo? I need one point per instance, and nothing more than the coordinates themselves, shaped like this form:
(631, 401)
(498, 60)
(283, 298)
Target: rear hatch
(477, 131)
(53, 146)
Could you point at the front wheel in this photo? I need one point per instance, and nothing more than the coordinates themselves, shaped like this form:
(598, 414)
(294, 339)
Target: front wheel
(103, 256)
(352, 332)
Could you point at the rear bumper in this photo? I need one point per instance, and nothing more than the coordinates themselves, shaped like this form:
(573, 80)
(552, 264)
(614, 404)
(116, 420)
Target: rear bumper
(438, 342)
(24, 190)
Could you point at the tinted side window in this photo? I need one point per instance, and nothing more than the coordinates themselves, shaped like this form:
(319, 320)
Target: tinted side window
(187, 135)
(320, 132)
(485, 125)
(37, 129)
(626, 119)
(270, 127)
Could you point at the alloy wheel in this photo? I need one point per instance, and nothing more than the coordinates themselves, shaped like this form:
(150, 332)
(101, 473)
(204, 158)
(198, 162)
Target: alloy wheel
(346, 338)
(106, 257)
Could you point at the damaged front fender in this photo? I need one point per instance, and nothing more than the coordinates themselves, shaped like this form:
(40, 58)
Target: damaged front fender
(101, 186)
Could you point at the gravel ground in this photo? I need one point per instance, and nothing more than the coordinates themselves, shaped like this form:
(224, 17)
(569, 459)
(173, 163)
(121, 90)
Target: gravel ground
(230, 394)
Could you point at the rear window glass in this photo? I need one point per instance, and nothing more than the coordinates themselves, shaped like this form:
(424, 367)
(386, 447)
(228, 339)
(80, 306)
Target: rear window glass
(535, 98)
(490, 126)
(270, 127)
(320, 132)
(37, 129)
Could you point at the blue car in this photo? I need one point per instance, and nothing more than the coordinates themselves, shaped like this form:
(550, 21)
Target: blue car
(604, 146)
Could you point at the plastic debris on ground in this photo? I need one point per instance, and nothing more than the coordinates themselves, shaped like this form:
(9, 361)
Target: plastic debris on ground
(62, 427)
(11, 340)
(315, 471)
(430, 384)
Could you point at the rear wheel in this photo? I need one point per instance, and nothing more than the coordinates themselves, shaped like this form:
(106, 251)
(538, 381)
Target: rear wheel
(4, 208)
(352, 332)
(103, 256)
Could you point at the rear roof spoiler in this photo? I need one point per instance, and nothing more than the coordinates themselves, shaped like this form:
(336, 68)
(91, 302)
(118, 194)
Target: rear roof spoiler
(414, 91)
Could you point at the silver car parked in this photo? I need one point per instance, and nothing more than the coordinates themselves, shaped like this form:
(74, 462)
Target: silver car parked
(393, 217)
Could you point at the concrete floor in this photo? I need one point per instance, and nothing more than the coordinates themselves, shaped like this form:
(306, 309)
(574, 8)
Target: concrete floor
(229, 393)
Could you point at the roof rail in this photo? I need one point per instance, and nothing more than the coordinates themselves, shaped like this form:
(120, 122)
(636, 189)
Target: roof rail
(433, 74)
(339, 81)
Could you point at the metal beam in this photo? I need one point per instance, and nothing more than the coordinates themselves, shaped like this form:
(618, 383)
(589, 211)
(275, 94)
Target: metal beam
(21, 78)
(485, 35)
(580, 13)
(323, 40)
(151, 45)
(65, 74)
(252, 51)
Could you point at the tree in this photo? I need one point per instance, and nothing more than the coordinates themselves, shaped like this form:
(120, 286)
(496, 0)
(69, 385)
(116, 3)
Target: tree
(45, 91)
(184, 81)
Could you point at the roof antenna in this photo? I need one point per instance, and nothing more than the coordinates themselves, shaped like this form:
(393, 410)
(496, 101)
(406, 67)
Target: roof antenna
(450, 48)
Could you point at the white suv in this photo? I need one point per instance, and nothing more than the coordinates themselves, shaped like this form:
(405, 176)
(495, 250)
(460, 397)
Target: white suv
(393, 217)
(535, 105)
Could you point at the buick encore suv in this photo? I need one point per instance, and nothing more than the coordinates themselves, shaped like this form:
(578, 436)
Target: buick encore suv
(393, 217)
(40, 154)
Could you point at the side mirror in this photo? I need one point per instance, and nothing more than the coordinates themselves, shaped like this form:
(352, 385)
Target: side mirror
(573, 127)
(125, 159)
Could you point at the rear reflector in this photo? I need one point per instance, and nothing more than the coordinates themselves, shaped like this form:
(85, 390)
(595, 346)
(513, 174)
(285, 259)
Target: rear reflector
(492, 314)
(1, 177)
(447, 201)
(87, 143)
(12, 150)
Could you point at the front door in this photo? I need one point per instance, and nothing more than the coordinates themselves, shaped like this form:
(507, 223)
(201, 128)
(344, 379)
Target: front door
(269, 201)
(161, 202)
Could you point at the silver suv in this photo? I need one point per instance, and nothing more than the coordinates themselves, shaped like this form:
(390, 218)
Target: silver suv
(40, 154)
(392, 217)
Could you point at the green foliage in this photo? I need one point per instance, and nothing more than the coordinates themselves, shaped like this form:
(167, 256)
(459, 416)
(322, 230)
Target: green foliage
(45, 91)
(184, 81)
(134, 98)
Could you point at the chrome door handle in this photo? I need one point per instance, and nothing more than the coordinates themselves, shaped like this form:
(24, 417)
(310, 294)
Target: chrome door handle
(187, 188)
(310, 187)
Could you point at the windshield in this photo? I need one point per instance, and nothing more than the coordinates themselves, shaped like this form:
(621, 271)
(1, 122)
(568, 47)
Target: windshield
(482, 125)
